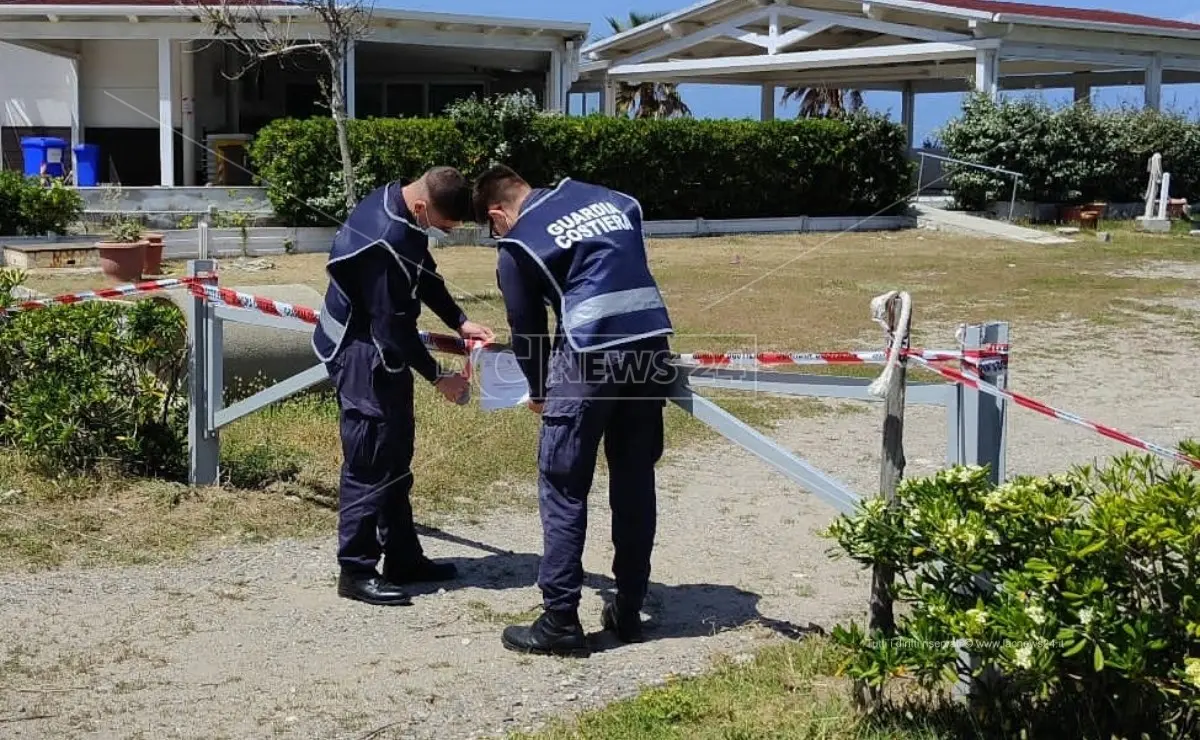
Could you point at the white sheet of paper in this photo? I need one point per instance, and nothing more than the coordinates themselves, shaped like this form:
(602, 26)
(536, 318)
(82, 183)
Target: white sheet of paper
(502, 384)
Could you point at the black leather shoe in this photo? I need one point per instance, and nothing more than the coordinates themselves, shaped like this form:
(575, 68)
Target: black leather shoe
(625, 623)
(371, 588)
(423, 570)
(552, 633)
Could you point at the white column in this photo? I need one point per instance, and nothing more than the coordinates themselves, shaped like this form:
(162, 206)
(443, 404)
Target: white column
(767, 103)
(608, 99)
(987, 72)
(350, 80)
(1154, 83)
(554, 82)
(166, 123)
(76, 120)
(1083, 93)
(187, 96)
(908, 108)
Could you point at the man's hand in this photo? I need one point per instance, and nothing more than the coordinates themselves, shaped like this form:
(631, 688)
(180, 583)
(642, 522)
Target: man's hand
(471, 330)
(535, 406)
(453, 387)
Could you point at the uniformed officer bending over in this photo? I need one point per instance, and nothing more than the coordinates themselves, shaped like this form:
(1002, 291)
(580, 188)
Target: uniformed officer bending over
(580, 248)
(380, 271)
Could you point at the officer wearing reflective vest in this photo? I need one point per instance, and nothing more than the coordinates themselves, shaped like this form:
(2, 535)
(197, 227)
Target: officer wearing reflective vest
(380, 271)
(605, 374)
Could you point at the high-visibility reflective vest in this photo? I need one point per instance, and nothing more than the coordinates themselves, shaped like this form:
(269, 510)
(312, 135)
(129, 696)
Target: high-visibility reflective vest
(373, 224)
(588, 240)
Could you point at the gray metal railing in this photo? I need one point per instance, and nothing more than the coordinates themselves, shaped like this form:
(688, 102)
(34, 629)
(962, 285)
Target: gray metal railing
(1016, 176)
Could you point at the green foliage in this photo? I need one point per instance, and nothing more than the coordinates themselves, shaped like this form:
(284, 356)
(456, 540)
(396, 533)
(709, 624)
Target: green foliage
(1074, 154)
(10, 278)
(257, 464)
(124, 230)
(1081, 590)
(678, 168)
(95, 384)
(299, 164)
(29, 208)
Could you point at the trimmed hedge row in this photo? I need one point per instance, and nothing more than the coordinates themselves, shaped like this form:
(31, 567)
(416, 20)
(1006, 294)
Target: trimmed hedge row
(679, 169)
(1075, 154)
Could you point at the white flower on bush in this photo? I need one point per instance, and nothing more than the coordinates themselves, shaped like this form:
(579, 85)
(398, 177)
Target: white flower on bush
(994, 499)
(1024, 656)
(1086, 615)
(1036, 614)
(977, 616)
(1192, 670)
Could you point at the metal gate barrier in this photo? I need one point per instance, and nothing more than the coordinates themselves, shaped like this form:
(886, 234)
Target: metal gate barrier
(975, 422)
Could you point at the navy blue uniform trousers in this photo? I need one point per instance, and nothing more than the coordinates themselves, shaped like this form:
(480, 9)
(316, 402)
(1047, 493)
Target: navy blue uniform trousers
(377, 428)
(607, 395)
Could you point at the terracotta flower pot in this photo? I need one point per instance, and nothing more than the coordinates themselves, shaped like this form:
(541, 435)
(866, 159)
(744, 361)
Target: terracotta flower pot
(152, 263)
(122, 260)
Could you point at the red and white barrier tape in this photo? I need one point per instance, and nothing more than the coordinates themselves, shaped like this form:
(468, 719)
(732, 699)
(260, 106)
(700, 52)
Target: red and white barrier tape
(270, 306)
(983, 386)
(437, 342)
(455, 345)
(148, 286)
(776, 359)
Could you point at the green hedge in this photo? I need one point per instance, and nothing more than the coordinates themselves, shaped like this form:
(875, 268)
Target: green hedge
(1074, 154)
(679, 169)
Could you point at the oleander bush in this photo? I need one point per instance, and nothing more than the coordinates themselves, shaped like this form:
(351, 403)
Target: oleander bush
(1078, 595)
(678, 169)
(95, 385)
(29, 208)
(1072, 154)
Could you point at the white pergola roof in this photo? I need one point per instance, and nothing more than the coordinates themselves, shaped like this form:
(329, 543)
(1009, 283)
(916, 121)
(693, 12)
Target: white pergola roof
(919, 45)
(152, 19)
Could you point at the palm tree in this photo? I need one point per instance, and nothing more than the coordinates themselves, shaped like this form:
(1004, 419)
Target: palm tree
(824, 102)
(646, 99)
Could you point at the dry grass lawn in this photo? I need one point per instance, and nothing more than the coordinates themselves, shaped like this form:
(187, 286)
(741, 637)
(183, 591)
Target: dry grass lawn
(750, 293)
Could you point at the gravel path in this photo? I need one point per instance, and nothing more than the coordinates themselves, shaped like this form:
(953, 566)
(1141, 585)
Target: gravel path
(253, 642)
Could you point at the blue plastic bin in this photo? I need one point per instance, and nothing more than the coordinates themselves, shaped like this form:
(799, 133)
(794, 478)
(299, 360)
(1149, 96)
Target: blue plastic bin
(39, 150)
(87, 164)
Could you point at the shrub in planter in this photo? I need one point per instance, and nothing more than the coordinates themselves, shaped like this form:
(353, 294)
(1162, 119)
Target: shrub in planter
(1081, 590)
(123, 254)
(96, 384)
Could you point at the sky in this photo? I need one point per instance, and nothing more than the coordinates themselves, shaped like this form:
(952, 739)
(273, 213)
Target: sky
(736, 101)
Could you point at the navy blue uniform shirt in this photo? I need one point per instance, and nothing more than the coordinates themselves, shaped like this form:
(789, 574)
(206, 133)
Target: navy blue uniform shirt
(378, 288)
(526, 292)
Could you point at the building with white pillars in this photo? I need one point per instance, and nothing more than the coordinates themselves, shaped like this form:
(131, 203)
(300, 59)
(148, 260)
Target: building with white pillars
(146, 81)
(909, 46)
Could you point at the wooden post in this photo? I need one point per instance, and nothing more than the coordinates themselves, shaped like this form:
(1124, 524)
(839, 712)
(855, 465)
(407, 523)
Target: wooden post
(891, 470)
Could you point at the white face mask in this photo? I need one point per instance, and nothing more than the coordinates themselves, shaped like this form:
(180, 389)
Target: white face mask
(433, 231)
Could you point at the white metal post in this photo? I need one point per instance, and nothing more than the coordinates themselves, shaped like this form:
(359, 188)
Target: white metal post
(166, 123)
(608, 98)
